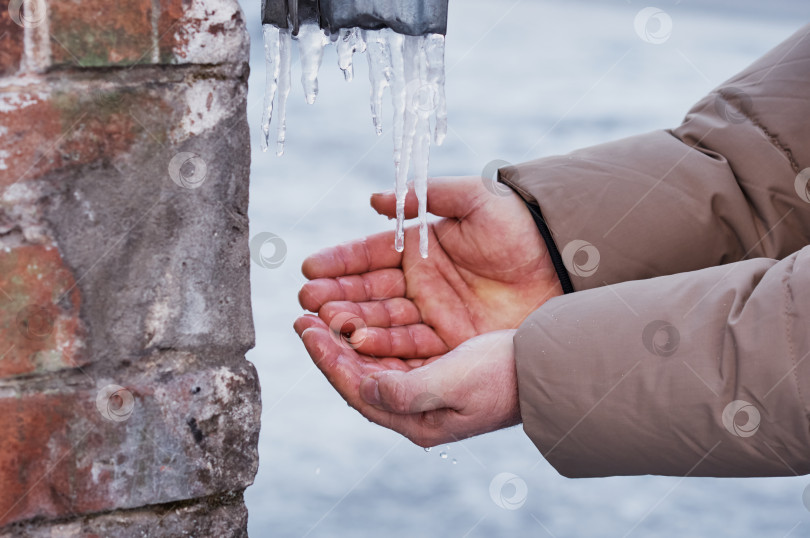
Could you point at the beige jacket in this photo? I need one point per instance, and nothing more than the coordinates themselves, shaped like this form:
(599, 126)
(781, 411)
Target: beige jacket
(684, 348)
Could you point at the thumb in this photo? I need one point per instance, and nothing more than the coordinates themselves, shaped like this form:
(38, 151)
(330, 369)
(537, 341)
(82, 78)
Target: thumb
(452, 197)
(404, 393)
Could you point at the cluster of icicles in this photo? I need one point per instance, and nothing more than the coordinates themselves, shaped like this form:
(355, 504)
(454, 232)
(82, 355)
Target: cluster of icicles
(412, 67)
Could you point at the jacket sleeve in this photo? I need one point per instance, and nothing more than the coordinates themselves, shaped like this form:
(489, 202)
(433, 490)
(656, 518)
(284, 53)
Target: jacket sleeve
(684, 350)
(730, 183)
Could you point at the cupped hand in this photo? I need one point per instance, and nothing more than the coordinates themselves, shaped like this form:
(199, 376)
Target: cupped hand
(468, 391)
(487, 269)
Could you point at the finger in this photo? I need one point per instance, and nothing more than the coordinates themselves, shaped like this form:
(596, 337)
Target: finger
(385, 313)
(408, 342)
(373, 286)
(453, 197)
(305, 322)
(408, 393)
(353, 258)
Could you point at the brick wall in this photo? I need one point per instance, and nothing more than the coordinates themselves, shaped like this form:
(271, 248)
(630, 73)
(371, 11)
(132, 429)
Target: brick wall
(126, 405)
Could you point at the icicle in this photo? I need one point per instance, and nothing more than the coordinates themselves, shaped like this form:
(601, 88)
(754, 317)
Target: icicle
(422, 104)
(271, 58)
(349, 42)
(311, 41)
(434, 53)
(379, 72)
(285, 57)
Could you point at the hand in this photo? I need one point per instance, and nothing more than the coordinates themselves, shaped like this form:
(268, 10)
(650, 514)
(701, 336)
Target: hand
(488, 268)
(469, 391)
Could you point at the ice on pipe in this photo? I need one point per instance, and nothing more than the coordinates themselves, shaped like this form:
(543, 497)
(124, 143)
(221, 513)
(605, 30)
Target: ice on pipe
(412, 67)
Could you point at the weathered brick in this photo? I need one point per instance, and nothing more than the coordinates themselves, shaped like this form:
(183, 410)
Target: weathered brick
(39, 312)
(220, 516)
(75, 127)
(190, 431)
(198, 31)
(92, 33)
(11, 41)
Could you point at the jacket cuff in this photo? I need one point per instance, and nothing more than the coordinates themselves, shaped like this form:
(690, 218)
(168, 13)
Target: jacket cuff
(554, 253)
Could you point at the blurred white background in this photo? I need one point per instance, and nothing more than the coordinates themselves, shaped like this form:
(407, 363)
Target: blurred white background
(524, 79)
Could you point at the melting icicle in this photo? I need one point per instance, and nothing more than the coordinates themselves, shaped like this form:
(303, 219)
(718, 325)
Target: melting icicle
(349, 42)
(413, 68)
(311, 41)
(271, 58)
(379, 72)
(285, 59)
(434, 52)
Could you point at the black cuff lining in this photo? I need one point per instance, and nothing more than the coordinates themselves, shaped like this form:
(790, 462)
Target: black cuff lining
(556, 259)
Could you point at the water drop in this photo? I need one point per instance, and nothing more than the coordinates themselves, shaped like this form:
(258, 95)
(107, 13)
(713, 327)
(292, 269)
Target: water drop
(427, 449)
(443, 455)
(455, 461)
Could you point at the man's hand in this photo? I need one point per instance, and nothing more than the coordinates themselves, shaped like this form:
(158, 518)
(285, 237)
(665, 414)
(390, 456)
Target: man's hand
(488, 268)
(469, 391)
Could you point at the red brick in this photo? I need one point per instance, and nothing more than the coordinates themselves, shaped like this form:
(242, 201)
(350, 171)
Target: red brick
(100, 32)
(11, 41)
(75, 128)
(39, 319)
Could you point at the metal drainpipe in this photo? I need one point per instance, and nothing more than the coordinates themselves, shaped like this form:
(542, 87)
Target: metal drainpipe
(409, 17)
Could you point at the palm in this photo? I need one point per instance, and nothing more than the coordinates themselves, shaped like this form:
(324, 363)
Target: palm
(487, 269)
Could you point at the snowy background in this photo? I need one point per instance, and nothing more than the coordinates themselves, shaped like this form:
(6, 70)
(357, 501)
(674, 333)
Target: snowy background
(524, 79)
